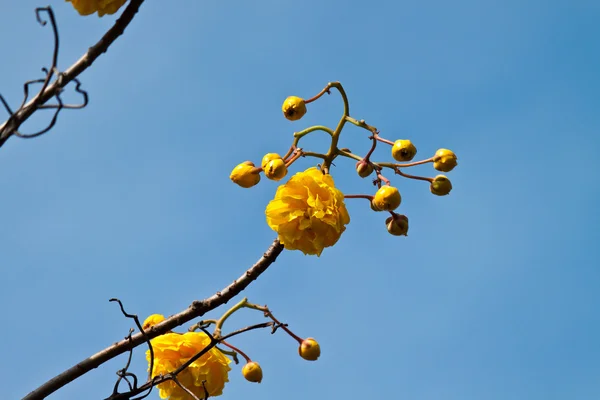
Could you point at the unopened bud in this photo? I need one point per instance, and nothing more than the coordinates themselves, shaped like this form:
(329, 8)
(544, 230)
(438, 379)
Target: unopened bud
(440, 186)
(364, 168)
(252, 372)
(309, 349)
(397, 225)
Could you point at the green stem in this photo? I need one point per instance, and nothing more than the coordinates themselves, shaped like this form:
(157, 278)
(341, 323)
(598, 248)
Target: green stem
(344, 153)
(361, 124)
(312, 129)
(313, 154)
(335, 137)
(205, 323)
(406, 165)
(230, 353)
(221, 321)
(357, 158)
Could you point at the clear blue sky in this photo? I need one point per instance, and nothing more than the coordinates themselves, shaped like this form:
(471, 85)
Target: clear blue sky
(494, 293)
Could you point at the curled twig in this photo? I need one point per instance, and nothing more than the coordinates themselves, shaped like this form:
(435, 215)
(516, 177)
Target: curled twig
(51, 89)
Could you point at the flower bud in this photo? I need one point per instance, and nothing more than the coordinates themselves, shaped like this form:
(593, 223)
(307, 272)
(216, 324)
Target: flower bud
(387, 198)
(245, 175)
(293, 108)
(309, 349)
(444, 160)
(153, 320)
(403, 150)
(275, 169)
(397, 225)
(252, 372)
(268, 157)
(440, 186)
(364, 168)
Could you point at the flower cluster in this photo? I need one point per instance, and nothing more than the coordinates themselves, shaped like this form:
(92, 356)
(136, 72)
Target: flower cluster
(308, 212)
(102, 7)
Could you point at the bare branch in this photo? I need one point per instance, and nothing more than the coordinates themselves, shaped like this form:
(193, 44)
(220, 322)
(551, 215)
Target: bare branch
(195, 310)
(51, 90)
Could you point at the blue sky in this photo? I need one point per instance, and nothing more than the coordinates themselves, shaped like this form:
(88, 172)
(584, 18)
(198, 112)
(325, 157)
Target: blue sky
(494, 293)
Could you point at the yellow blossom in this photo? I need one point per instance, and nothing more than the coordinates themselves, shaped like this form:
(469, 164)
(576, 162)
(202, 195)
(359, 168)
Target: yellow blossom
(308, 212)
(153, 320)
(172, 350)
(87, 7)
(244, 174)
(293, 108)
(387, 198)
(444, 160)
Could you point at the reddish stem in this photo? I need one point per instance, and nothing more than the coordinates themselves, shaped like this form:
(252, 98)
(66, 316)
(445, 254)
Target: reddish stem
(280, 325)
(358, 196)
(232, 347)
(420, 178)
(377, 137)
(321, 93)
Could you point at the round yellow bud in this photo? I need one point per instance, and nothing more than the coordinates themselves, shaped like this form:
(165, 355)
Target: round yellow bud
(275, 169)
(403, 150)
(309, 349)
(397, 225)
(252, 372)
(153, 320)
(387, 198)
(268, 157)
(244, 175)
(440, 186)
(364, 168)
(293, 108)
(444, 160)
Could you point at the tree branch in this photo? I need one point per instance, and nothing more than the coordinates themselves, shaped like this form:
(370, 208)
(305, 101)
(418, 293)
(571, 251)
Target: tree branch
(8, 128)
(195, 310)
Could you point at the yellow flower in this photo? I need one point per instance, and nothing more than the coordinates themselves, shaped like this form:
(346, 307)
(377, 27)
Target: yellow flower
(87, 7)
(293, 108)
(171, 350)
(308, 212)
(309, 349)
(244, 174)
(153, 320)
(444, 160)
(403, 150)
(275, 169)
(252, 372)
(387, 198)
(440, 186)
